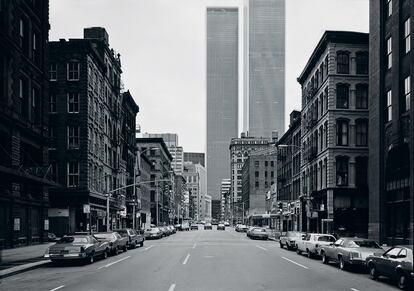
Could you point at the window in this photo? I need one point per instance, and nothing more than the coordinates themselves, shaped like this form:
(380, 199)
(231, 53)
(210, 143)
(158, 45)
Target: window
(361, 96)
(52, 103)
(341, 171)
(389, 53)
(407, 92)
(266, 184)
(73, 103)
(266, 163)
(53, 171)
(256, 174)
(53, 72)
(73, 71)
(256, 184)
(389, 105)
(272, 174)
(342, 59)
(407, 38)
(362, 63)
(272, 164)
(24, 96)
(73, 137)
(342, 132)
(361, 132)
(265, 174)
(256, 163)
(389, 8)
(73, 174)
(342, 96)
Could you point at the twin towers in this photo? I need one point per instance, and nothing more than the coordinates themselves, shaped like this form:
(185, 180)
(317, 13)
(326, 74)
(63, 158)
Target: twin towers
(260, 66)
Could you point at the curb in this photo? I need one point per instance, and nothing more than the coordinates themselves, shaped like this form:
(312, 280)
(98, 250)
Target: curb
(22, 268)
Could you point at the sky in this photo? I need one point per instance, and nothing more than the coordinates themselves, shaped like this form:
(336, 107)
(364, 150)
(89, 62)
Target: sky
(163, 51)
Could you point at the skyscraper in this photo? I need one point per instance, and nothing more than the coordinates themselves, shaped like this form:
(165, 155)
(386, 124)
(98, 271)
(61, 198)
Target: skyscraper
(264, 61)
(222, 94)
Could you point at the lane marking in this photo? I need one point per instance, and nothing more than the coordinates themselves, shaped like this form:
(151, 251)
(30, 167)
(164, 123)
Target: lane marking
(172, 287)
(194, 245)
(57, 288)
(110, 264)
(353, 289)
(147, 248)
(295, 263)
(186, 259)
(261, 247)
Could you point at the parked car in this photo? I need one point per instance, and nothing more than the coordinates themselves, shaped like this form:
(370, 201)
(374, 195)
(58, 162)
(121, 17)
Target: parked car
(51, 237)
(134, 237)
(249, 230)
(208, 225)
(173, 230)
(194, 226)
(221, 226)
(312, 243)
(164, 231)
(259, 233)
(185, 226)
(153, 233)
(226, 223)
(77, 247)
(396, 264)
(289, 239)
(116, 242)
(349, 251)
(241, 228)
(177, 226)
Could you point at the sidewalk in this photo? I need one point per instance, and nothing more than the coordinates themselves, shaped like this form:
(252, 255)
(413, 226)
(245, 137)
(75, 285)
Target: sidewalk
(21, 259)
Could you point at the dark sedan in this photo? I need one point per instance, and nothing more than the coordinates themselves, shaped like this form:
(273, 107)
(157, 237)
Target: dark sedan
(289, 239)
(208, 225)
(194, 226)
(349, 252)
(133, 236)
(221, 226)
(116, 242)
(77, 247)
(396, 263)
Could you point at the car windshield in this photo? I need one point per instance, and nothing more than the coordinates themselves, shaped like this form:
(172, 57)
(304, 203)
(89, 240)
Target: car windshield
(154, 229)
(293, 234)
(122, 232)
(363, 244)
(104, 235)
(73, 239)
(326, 238)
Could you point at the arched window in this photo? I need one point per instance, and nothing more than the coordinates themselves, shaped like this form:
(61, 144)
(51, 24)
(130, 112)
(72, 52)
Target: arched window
(342, 96)
(342, 62)
(361, 131)
(342, 171)
(361, 96)
(362, 63)
(342, 132)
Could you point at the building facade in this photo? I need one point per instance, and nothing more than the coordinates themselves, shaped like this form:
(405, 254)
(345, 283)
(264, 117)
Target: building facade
(192, 178)
(180, 188)
(24, 90)
(334, 131)
(391, 138)
(240, 150)
(264, 104)
(222, 94)
(195, 158)
(226, 200)
(289, 174)
(161, 178)
(207, 208)
(144, 191)
(258, 175)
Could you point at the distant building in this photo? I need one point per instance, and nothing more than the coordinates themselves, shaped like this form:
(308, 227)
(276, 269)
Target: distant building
(207, 208)
(161, 178)
(90, 146)
(391, 135)
(170, 139)
(202, 174)
(264, 58)
(195, 158)
(222, 95)
(180, 187)
(334, 131)
(24, 94)
(289, 174)
(144, 191)
(226, 200)
(192, 177)
(258, 175)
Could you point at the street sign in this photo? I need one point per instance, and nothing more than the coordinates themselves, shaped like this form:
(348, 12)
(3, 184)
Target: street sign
(86, 208)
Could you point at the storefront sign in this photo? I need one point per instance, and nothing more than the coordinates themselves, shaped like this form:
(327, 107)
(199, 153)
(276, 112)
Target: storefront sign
(86, 208)
(58, 212)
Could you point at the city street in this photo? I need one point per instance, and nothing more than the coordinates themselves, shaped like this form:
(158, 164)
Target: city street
(198, 260)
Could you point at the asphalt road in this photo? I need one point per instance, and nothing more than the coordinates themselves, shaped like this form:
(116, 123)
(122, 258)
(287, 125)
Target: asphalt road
(198, 260)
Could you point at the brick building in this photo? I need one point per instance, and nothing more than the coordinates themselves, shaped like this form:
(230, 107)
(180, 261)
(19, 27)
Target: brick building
(86, 115)
(391, 138)
(24, 165)
(289, 173)
(144, 190)
(160, 176)
(334, 134)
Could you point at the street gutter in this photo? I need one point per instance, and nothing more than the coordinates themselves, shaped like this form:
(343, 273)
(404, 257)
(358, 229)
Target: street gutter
(22, 268)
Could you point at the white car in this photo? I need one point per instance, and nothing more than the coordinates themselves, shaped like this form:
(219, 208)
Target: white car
(312, 242)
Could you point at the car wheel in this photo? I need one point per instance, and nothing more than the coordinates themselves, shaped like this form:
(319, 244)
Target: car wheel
(125, 248)
(105, 254)
(309, 254)
(402, 281)
(298, 251)
(141, 244)
(281, 245)
(373, 272)
(342, 264)
(91, 258)
(116, 251)
(324, 258)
